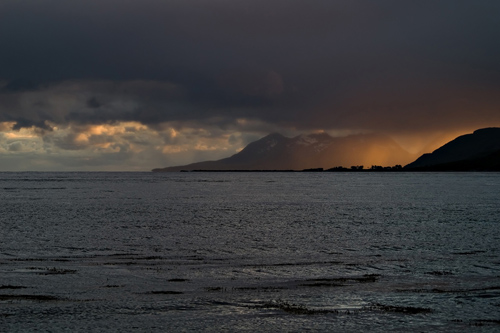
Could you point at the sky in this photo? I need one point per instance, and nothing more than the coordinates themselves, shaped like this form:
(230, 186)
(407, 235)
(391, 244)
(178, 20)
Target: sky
(129, 85)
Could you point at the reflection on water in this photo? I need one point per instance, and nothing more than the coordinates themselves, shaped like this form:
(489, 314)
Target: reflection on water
(249, 251)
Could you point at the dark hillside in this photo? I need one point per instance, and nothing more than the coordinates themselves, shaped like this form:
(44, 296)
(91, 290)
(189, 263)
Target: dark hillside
(476, 151)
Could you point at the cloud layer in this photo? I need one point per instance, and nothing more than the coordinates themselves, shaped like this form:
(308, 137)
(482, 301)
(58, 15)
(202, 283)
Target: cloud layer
(222, 73)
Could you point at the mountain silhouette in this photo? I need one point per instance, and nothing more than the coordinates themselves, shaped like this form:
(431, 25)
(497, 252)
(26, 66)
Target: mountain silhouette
(277, 152)
(477, 151)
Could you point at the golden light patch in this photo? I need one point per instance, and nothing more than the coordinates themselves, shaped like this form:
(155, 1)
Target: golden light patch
(6, 126)
(382, 157)
(204, 147)
(22, 134)
(115, 129)
(105, 130)
(173, 133)
(173, 149)
(97, 130)
(82, 138)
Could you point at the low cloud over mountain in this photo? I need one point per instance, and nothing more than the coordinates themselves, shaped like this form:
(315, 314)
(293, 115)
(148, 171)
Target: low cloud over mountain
(277, 152)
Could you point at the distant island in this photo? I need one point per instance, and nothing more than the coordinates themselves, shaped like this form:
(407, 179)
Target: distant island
(478, 151)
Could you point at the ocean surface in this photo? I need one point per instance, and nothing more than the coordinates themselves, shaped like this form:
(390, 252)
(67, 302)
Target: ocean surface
(269, 252)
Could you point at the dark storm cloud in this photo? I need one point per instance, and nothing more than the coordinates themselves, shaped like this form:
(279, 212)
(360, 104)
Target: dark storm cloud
(22, 122)
(376, 65)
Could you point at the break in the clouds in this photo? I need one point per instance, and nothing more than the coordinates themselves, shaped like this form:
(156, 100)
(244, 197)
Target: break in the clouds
(131, 85)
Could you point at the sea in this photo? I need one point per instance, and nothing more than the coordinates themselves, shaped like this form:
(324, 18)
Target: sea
(247, 252)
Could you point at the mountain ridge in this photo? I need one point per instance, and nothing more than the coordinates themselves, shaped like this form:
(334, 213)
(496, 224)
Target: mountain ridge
(307, 151)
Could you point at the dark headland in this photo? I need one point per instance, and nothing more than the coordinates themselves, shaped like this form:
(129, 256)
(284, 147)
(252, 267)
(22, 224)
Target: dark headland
(478, 151)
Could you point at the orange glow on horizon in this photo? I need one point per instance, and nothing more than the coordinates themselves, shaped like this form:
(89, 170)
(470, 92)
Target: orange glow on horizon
(427, 142)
